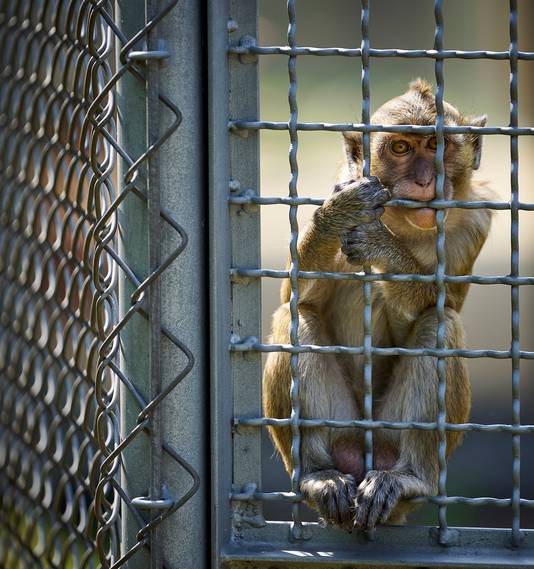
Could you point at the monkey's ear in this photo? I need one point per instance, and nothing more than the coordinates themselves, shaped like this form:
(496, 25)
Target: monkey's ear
(354, 151)
(421, 86)
(476, 140)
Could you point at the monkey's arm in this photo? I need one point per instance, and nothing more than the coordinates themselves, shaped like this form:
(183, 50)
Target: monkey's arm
(352, 204)
(373, 244)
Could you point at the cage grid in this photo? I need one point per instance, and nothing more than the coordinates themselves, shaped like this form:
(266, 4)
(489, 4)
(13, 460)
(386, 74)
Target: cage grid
(239, 125)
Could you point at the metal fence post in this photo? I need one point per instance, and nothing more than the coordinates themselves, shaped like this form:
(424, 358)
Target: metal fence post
(184, 284)
(234, 240)
(133, 220)
(161, 120)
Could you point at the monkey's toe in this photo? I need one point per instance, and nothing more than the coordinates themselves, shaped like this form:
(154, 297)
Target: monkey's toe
(332, 494)
(376, 498)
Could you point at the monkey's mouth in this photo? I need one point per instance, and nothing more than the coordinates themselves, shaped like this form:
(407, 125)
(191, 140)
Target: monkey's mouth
(423, 218)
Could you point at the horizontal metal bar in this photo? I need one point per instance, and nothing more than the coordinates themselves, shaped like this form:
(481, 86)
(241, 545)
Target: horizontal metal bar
(146, 55)
(249, 496)
(237, 125)
(392, 546)
(392, 425)
(252, 344)
(148, 504)
(237, 273)
(373, 52)
(252, 198)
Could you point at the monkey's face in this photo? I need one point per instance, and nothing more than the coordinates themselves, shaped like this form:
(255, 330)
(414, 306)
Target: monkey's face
(406, 166)
(406, 163)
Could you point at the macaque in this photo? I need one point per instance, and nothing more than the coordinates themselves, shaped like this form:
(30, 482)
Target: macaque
(356, 228)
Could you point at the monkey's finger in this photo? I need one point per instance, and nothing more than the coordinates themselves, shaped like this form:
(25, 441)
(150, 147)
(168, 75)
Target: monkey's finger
(342, 185)
(378, 211)
(362, 504)
(382, 196)
(369, 215)
(390, 502)
(360, 516)
(373, 194)
(374, 510)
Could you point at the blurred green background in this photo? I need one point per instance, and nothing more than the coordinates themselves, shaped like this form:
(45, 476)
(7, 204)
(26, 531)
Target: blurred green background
(329, 90)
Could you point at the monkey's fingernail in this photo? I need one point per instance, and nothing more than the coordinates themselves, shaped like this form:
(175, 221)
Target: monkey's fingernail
(370, 534)
(384, 195)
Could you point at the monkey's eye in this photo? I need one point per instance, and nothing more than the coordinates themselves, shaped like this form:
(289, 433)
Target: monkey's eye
(433, 143)
(400, 147)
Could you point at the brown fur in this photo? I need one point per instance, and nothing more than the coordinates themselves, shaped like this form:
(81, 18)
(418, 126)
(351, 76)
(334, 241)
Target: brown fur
(354, 228)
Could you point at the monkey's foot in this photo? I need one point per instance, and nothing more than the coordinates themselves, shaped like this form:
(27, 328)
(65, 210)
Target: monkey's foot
(332, 494)
(376, 498)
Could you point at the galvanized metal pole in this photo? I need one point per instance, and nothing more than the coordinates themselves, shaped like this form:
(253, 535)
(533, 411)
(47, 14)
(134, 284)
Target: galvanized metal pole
(183, 194)
(220, 263)
(154, 292)
(162, 241)
(133, 248)
(234, 241)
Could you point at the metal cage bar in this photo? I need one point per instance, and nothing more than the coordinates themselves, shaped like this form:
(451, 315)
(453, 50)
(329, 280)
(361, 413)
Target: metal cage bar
(440, 271)
(294, 270)
(381, 53)
(367, 284)
(309, 553)
(240, 75)
(514, 271)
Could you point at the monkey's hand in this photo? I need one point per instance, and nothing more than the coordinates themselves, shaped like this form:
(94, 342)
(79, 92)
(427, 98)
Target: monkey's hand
(370, 243)
(376, 498)
(332, 494)
(353, 203)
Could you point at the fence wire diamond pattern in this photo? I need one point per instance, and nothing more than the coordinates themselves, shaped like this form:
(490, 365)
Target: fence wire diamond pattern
(60, 324)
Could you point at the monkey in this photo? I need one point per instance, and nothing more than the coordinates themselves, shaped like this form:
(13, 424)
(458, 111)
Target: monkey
(353, 229)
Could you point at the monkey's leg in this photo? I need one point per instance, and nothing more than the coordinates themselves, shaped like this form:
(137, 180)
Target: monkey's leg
(413, 396)
(330, 458)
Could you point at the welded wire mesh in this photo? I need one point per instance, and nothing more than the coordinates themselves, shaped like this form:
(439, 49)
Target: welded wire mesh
(62, 495)
(368, 424)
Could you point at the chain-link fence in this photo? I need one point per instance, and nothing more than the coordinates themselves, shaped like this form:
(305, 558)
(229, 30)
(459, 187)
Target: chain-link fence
(57, 287)
(84, 374)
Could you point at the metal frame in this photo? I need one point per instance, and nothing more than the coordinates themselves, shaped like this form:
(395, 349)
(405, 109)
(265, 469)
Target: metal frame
(127, 343)
(162, 260)
(258, 542)
(150, 469)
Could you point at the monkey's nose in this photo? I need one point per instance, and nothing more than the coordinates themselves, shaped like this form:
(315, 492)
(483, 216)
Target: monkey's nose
(423, 191)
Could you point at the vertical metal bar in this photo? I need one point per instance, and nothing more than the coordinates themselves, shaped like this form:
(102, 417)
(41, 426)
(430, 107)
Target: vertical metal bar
(245, 251)
(220, 263)
(367, 286)
(294, 267)
(514, 271)
(154, 293)
(440, 273)
(135, 338)
(172, 253)
(184, 311)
